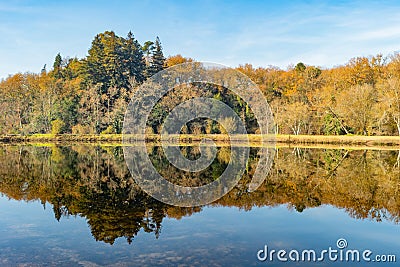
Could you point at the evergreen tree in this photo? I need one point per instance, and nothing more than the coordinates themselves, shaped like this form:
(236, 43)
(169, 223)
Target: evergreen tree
(157, 59)
(113, 60)
(131, 56)
(103, 62)
(43, 70)
(147, 48)
(57, 66)
(95, 63)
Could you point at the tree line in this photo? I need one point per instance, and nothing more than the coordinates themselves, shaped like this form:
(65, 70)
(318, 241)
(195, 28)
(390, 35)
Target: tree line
(80, 96)
(90, 95)
(360, 97)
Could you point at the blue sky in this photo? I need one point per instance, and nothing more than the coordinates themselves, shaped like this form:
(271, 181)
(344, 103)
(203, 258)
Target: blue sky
(323, 33)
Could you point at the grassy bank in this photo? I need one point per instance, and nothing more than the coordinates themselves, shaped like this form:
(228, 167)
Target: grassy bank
(86, 138)
(339, 139)
(219, 139)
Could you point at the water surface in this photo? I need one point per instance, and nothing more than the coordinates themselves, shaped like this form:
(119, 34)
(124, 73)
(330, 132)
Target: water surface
(78, 205)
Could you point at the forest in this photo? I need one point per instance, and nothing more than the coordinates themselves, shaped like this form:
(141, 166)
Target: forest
(90, 95)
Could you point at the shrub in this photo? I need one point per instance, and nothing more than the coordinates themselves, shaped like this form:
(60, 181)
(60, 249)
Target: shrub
(57, 126)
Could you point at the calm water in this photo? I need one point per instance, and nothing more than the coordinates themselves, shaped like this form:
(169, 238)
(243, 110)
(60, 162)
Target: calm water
(78, 206)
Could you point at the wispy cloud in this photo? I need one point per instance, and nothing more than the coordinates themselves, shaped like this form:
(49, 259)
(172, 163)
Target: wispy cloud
(322, 33)
(324, 36)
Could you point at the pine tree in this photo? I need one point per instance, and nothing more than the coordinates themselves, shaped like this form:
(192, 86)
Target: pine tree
(157, 59)
(113, 62)
(147, 48)
(131, 56)
(43, 70)
(95, 63)
(57, 66)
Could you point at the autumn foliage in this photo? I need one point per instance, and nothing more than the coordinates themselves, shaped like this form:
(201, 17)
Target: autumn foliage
(90, 95)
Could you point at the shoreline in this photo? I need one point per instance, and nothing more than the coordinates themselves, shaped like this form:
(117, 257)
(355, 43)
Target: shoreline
(254, 139)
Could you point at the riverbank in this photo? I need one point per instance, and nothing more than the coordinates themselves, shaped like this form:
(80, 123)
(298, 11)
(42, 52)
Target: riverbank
(219, 139)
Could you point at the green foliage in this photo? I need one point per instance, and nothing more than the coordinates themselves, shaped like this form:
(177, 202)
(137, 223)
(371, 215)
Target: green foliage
(57, 126)
(90, 95)
(156, 61)
(332, 125)
(300, 67)
(57, 66)
(132, 57)
(109, 130)
(114, 60)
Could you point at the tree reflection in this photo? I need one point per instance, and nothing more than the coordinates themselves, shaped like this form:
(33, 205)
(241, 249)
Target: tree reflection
(94, 182)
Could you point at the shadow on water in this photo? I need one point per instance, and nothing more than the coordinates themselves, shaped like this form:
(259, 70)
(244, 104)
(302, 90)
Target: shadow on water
(94, 182)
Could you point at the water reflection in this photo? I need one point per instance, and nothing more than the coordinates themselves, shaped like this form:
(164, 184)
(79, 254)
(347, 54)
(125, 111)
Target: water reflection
(93, 182)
